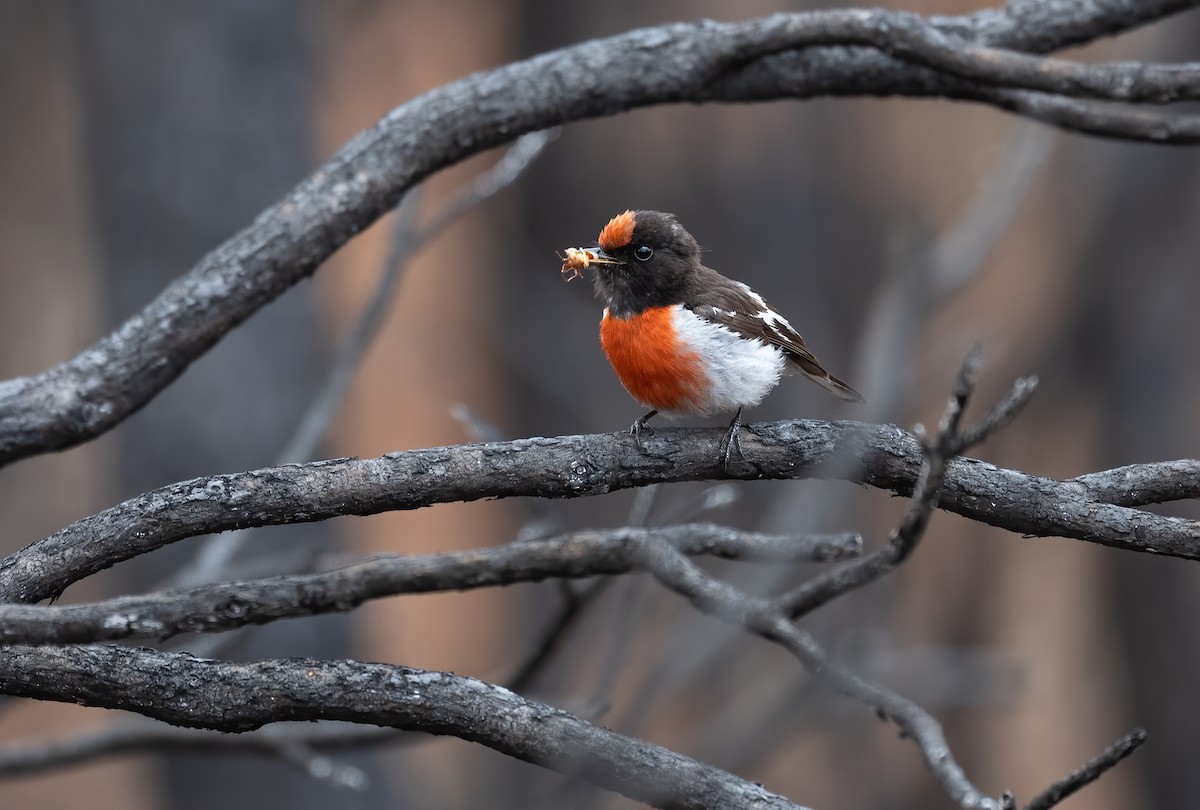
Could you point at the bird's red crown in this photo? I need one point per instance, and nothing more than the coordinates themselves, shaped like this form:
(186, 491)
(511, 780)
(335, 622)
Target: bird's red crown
(619, 231)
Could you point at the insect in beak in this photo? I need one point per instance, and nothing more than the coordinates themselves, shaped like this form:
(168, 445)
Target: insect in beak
(579, 259)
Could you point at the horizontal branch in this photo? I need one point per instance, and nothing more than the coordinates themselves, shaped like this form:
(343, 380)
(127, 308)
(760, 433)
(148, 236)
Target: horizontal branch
(786, 55)
(198, 693)
(883, 456)
(213, 608)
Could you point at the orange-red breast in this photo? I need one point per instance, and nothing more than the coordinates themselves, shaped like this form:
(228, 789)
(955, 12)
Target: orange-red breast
(682, 338)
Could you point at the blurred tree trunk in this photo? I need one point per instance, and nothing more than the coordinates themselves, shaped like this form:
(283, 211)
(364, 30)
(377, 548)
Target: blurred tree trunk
(196, 115)
(435, 349)
(49, 310)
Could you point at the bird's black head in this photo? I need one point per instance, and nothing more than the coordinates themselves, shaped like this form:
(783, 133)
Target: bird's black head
(645, 259)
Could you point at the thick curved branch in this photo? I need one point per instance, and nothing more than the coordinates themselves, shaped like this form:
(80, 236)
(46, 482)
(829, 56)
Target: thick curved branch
(883, 456)
(198, 693)
(88, 395)
(213, 608)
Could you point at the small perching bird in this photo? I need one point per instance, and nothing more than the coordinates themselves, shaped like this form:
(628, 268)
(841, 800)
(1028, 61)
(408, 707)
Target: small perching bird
(683, 339)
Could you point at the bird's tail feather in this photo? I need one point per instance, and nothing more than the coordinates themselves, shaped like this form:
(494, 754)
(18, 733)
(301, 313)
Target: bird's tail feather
(810, 368)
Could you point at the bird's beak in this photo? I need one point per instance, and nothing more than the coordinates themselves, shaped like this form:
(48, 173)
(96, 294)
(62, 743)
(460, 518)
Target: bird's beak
(601, 256)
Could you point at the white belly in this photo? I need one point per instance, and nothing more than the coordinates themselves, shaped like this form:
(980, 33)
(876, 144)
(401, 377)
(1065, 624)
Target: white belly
(740, 372)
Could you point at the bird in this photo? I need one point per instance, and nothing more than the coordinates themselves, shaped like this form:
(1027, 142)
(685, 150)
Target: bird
(683, 339)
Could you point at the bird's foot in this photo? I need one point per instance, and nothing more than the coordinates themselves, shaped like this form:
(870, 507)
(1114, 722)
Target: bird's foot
(639, 427)
(731, 443)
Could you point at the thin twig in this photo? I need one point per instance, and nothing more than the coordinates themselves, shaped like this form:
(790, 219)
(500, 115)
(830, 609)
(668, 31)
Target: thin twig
(576, 601)
(949, 443)
(407, 240)
(353, 346)
(213, 561)
(765, 618)
(319, 766)
(960, 253)
(913, 287)
(1089, 772)
(142, 736)
(627, 606)
(553, 637)
(1000, 416)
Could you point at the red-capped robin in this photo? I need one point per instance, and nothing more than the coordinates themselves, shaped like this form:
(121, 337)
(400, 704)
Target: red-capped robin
(683, 339)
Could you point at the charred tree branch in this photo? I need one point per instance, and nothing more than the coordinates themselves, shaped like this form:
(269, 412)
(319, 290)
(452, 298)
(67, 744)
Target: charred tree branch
(214, 608)
(1089, 772)
(199, 693)
(882, 456)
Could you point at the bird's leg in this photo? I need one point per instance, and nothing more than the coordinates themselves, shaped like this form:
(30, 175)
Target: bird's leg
(636, 429)
(731, 442)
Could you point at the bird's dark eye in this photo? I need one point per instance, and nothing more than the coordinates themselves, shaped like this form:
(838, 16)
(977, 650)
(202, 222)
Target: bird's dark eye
(643, 253)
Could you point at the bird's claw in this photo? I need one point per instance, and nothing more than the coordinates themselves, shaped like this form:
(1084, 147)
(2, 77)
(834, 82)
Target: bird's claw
(731, 443)
(640, 426)
(637, 429)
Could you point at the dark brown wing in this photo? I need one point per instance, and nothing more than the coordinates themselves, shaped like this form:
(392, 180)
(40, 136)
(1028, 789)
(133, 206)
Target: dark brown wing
(737, 307)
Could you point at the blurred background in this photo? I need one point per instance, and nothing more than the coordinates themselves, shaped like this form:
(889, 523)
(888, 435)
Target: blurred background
(137, 136)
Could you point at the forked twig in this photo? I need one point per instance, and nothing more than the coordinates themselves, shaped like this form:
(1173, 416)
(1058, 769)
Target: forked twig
(950, 442)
